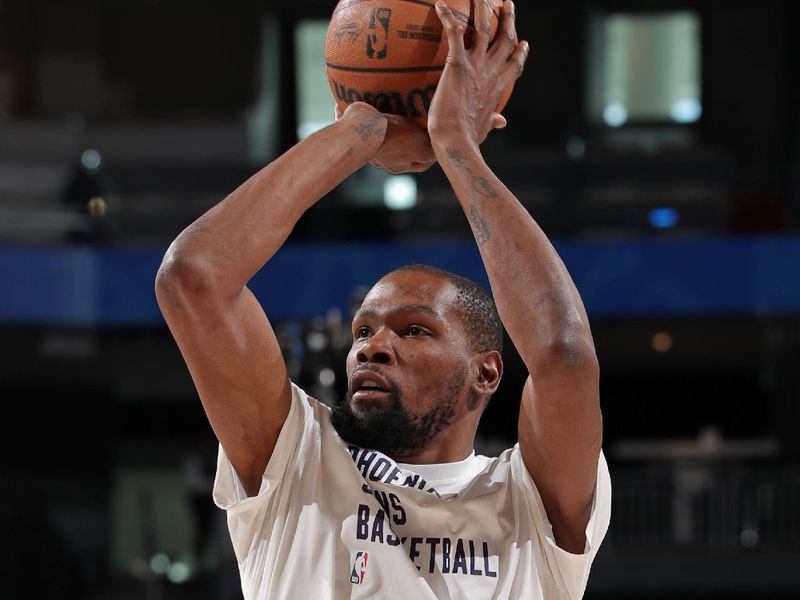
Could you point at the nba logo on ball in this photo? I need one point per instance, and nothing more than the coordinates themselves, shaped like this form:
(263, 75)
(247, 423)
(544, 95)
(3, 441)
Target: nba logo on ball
(361, 68)
(377, 40)
(359, 569)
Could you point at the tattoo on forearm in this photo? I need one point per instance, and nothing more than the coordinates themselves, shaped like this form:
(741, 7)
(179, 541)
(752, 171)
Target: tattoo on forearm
(369, 127)
(480, 185)
(479, 227)
(456, 157)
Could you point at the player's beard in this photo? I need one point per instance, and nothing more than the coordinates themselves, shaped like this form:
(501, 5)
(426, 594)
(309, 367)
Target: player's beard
(394, 430)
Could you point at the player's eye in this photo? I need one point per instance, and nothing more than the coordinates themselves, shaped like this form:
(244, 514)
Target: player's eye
(362, 332)
(415, 330)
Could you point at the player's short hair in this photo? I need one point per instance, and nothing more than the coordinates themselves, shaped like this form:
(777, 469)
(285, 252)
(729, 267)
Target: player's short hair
(475, 307)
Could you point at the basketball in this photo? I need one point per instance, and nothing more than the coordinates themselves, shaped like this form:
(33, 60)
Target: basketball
(391, 53)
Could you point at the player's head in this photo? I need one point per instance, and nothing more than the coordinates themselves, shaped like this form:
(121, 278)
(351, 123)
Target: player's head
(425, 359)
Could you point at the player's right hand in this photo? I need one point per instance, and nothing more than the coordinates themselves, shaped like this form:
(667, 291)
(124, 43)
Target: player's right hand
(406, 147)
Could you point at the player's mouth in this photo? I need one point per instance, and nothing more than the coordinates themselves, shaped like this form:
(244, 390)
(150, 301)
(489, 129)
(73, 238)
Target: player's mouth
(368, 386)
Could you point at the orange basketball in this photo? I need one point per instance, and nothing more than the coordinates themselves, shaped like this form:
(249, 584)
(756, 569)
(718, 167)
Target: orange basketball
(391, 53)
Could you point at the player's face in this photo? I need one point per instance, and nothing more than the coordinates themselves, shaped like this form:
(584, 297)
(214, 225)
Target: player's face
(407, 370)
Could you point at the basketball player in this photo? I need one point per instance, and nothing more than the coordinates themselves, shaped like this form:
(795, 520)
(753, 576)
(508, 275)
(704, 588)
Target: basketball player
(384, 497)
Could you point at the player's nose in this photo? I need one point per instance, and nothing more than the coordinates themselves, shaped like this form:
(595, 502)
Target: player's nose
(377, 348)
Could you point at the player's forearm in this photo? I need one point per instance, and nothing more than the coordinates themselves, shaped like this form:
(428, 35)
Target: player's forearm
(228, 244)
(535, 296)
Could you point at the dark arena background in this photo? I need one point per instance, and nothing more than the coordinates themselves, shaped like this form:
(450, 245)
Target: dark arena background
(656, 142)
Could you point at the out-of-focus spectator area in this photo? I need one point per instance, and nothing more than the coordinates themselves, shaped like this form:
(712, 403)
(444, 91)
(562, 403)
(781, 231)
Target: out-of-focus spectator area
(657, 142)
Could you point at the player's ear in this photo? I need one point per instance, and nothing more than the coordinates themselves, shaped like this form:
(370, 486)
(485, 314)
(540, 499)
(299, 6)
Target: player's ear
(488, 369)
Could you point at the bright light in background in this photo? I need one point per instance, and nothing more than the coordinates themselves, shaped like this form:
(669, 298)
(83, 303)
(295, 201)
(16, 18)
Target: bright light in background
(178, 572)
(663, 218)
(159, 563)
(644, 67)
(686, 110)
(98, 206)
(91, 160)
(748, 538)
(400, 192)
(327, 376)
(661, 342)
(317, 341)
(615, 114)
(314, 99)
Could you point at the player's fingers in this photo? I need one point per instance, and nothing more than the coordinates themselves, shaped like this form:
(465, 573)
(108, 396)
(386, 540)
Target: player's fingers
(505, 41)
(481, 16)
(454, 28)
(498, 121)
(516, 63)
(359, 106)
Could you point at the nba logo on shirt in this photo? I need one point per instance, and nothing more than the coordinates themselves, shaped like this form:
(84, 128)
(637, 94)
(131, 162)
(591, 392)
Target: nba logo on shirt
(359, 567)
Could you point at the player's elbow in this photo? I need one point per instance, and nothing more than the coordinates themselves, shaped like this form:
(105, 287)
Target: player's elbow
(182, 278)
(573, 351)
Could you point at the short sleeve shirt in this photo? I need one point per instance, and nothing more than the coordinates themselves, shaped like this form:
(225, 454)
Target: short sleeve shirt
(333, 520)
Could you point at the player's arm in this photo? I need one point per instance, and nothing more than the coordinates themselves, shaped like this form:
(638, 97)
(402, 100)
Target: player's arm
(560, 425)
(221, 329)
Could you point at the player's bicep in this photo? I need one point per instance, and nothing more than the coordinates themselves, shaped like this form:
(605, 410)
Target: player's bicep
(560, 435)
(236, 364)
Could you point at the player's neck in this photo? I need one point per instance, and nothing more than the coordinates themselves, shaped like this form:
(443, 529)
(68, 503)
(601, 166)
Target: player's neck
(452, 444)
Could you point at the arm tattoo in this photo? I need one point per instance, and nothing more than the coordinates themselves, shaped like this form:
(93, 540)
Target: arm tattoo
(369, 127)
(480, 185)
(479, 227)
(456, 156)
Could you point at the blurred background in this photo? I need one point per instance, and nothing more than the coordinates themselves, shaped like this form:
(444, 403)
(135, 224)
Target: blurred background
(656, 142)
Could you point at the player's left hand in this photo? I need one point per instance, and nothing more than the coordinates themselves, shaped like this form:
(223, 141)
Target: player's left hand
(474, 80)
(406, 147)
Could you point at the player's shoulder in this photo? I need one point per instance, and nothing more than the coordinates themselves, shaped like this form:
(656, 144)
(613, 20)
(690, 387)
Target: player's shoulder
(491, 475)
(306, 401)
(314, 417)
(502, 462)
(306, 413)
(507, 469)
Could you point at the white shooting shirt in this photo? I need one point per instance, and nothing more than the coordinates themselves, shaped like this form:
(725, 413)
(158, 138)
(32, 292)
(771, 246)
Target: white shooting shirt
(333, 520)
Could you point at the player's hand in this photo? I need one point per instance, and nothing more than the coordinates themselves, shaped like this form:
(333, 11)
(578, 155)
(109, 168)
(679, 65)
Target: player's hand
(406, 147)
(474, 80)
